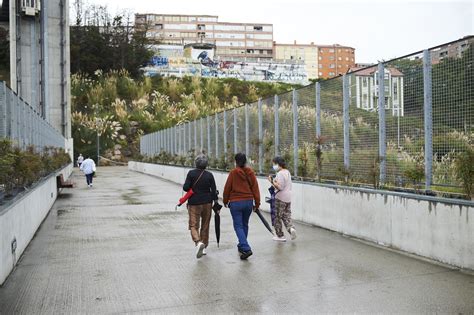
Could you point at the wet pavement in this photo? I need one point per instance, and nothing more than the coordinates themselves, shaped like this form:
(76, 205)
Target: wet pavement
(120, 247)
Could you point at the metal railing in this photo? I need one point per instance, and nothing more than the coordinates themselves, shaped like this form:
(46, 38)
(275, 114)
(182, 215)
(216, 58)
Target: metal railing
(341, 129)
(23, 124)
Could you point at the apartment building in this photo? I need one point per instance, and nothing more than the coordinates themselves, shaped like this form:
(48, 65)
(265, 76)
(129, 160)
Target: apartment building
(321, 61)
(232, 40)
(306, 53)
(334, 60)
(452, 50)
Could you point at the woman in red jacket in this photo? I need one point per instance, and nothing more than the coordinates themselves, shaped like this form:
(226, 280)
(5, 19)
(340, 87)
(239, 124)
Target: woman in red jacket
(241, 195)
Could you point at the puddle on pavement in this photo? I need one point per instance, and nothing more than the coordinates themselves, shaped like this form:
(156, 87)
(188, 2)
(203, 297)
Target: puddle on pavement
(62, 212)
(131, 197)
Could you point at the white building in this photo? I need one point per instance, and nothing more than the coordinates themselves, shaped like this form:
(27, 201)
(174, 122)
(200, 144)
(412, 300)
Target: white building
(364, 89)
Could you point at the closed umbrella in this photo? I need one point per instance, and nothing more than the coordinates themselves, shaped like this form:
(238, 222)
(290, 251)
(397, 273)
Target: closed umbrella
(264, 221)
(217, 221)
(271, 201)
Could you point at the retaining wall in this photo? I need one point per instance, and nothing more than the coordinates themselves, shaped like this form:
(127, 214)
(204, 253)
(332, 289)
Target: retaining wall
(21, 217)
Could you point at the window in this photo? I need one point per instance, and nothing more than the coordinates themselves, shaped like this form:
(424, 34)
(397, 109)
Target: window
(332, 66)
(395, 90)
(321, 51)
(339, 58)
(347, 58)
(201, 27)
(339, 66)
(364, 82)
(320, 58)
(320, 66)
(331, 74)
(331, 57)
(320, 73)
(331, 50)
(159, 26)
(258, 28)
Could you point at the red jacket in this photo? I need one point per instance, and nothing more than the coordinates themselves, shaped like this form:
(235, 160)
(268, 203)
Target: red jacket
(242, 185)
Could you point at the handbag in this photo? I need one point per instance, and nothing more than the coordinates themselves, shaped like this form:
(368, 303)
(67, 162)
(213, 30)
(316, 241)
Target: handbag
(190, 192)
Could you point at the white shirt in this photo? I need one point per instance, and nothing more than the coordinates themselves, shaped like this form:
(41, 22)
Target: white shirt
(88, 166)
(80, 159)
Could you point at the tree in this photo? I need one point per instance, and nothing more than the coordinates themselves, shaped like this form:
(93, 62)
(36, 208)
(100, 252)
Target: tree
(102, 42)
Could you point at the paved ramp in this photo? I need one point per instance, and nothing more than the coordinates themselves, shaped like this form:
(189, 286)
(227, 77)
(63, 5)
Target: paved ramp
(120, 248)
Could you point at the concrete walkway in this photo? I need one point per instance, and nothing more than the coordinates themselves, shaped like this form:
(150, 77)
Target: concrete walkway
(120, 247)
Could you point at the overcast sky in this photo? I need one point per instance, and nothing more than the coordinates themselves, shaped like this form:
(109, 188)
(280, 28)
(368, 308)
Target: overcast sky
(377, 29)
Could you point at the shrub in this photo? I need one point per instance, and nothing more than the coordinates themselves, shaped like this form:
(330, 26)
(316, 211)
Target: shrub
(22, 168)
(464, 165)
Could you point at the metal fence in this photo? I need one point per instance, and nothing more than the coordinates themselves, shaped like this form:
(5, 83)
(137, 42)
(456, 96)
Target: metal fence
(23, 124)
(342, 129)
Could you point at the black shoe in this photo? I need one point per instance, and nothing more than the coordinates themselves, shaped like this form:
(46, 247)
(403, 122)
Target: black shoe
(240, 251)
(246, 255)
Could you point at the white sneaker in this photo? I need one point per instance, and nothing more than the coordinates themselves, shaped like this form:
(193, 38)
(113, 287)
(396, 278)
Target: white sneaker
(204, 252)
(293, 233)
(199, 249)
(91, 185)
(279, 239)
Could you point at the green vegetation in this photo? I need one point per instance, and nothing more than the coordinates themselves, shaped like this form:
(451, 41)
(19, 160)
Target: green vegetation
(121, 109)
(100, 41)
(21, 168)
(464, 166)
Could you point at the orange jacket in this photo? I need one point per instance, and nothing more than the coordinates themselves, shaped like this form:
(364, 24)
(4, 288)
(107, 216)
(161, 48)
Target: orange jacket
(242, 184)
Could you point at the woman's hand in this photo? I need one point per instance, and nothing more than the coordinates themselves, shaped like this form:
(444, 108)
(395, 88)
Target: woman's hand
(270, 179)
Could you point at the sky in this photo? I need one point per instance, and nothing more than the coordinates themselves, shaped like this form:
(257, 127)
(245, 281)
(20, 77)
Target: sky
(378, 30)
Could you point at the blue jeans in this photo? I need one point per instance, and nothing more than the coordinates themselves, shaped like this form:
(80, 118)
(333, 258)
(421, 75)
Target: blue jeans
(241, 211)
(89, 178)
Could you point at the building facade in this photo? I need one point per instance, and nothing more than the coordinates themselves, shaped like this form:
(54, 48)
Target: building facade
(453, 50)
(39, 57)
(321, 61)
(232, 40)
(301, 52)
(334, 60)
(364, 89)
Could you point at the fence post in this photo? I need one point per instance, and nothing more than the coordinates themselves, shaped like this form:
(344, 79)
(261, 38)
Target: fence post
(195, 136)
(276, 109)
(345, 104)
(201, 133)
(318, 109)
(260, 137)
(225, 133)
(382, 137)
(427, 105)
(208, 131)
(217, 135)
(3, 110)
(235, 131)
(295, 133)
(247, 145)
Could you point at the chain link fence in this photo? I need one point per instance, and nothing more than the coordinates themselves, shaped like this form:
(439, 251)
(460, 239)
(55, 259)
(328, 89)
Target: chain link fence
(399, 123)
(23, 124)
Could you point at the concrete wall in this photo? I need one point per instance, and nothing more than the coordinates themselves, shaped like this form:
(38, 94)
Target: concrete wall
(439, 229)
(26, 61)
(22, 217)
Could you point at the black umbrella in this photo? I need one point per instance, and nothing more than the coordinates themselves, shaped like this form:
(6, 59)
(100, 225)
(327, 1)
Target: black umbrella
(217, 221)
(264, 221)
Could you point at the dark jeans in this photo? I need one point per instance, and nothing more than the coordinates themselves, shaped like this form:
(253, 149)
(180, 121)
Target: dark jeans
(89, 178)
(241, 211)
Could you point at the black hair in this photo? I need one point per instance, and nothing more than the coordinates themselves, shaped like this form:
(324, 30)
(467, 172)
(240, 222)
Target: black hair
(240, 159)
(280, 161)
